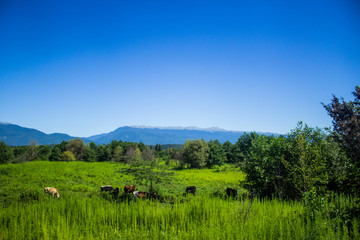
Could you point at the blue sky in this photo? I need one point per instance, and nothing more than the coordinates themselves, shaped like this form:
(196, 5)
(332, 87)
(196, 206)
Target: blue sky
(89, 67)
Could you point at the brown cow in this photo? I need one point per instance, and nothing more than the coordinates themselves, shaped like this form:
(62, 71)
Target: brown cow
(138, 194)
(52, 191)
(129, 188)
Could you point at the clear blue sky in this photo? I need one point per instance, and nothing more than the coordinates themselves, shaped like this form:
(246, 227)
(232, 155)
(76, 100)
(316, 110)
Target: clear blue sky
(89, 67)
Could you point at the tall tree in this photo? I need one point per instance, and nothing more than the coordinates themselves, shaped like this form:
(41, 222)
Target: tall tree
(89, 154)
(346, 127)
(77, 147)
(242, 148)
(118, 154)
(217, 155)
(55, 154)
(195, 153)
(6, 153)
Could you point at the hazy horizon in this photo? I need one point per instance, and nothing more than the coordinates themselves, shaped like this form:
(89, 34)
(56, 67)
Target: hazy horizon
(88, 68)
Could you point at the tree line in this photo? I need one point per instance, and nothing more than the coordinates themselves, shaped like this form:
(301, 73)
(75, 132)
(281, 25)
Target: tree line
(287, 166)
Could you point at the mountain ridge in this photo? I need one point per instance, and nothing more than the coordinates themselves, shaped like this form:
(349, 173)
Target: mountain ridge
(16, 135)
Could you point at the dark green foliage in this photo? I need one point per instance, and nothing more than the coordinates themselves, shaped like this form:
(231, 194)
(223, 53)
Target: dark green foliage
(55, 154)
(44, 152)
(307, 164)
(265, 167)
(89, 154)
(62, 146)
(229, 151)
(158, 148)
(242, 148)
(288, 166)
(346, 127)
(31, 194)
(77, 147)
(103, 153)
(6, 153)
(217, 155)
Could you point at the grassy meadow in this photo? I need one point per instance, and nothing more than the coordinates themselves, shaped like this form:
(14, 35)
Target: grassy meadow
(83, 212)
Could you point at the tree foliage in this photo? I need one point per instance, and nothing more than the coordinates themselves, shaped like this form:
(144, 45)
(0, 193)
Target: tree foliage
(67, 156)
(217, 155)
(195, 153)
(148, 171)
(55, 154)
(289, 166)
(6, 153)
(346, 131)
(77, 147)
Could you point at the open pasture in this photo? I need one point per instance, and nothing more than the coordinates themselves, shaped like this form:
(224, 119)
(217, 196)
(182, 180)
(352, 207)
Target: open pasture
(83, 212)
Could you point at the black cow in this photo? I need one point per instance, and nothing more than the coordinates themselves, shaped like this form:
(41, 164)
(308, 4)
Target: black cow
(106, 188)
(115, 192)
(231, 192)
(191, 189)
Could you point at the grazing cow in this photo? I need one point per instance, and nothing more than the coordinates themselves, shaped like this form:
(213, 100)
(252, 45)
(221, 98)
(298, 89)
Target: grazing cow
(138, 194)
(231, 192)
(52, 191)
(191, 189)
(129, 188)
(115, 192)
(107, 188)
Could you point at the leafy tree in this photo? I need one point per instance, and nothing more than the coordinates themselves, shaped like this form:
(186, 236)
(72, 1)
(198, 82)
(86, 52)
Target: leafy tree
(6, 153)
(289, 166)
(33, 151)
(136, 155)
(103, 153)
(217, 155)
(130, 153)
(89, 154)
(229, 148)
(93, 146)
(141, 146)
(147, 172)
(68, 156)
(62, 146)
(147, 154)
(346, 127)
(55, 154)
(242, 147)
(264, 166)
(158, 148)
(195, 153)
(21, 154)
(338, 166)
(308, 165)
(77, 147)
(118, 154)
(44, 152)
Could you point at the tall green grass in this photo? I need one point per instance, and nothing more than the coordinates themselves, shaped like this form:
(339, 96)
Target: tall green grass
(198, 218)
(82, 212)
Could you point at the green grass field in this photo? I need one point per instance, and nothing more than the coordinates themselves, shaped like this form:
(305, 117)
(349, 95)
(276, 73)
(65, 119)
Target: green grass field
(83, 212)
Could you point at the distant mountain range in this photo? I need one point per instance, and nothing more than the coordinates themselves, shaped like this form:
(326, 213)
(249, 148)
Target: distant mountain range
(15, 135)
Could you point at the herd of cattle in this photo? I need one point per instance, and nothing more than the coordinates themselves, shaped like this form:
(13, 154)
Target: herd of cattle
(230, 192)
